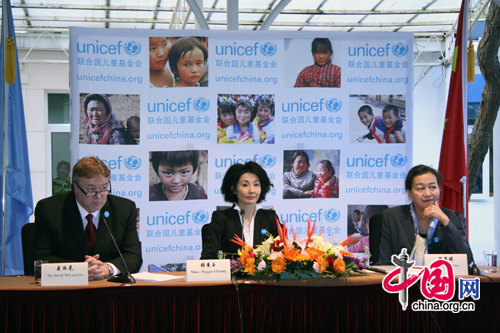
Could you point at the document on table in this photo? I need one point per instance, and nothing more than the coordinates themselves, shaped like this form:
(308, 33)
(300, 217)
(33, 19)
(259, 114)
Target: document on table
(150, 277)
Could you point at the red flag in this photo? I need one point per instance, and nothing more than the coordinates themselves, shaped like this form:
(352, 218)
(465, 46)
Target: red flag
(453, 159)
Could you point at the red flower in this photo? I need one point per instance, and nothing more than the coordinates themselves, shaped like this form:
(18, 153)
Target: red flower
(277, 246)
(330, 261)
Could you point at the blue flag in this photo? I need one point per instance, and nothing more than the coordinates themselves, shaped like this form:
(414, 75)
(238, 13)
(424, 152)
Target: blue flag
(14, 151)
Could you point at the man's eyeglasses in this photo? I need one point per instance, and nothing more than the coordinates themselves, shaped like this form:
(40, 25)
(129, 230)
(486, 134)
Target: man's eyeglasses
(93, 193)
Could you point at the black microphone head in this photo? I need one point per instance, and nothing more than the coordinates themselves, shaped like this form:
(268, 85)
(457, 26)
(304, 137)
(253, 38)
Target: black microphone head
(242, 212)
(457, 213)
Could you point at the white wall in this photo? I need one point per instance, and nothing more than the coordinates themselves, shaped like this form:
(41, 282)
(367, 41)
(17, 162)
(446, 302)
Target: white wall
(429, 108)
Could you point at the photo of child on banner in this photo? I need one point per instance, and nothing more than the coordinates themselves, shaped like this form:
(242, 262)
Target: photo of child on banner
(323, 73)
(186, 58)
(245, 119)
(299, 179)
(174, 176)
(380, 118)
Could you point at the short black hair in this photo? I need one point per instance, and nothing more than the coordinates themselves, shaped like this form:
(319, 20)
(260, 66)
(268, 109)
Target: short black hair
(233, 175)
(63, 163)
(324, 43)
(175, 158)
(357, 211)
(366, 108)
(225, 108)
(420, 170)
(298, 153)
(182, 46)
(328, 165)
(393, 108)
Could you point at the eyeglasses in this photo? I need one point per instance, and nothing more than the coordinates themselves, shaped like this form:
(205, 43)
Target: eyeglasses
(93, 193)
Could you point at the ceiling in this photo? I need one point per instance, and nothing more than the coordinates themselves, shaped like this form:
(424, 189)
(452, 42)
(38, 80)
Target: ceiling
(424, 17)
(44, 25)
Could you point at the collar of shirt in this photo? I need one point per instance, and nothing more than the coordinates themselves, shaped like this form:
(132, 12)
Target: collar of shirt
(248, 230)
(431, 227)
(236, 128)
(84, 213)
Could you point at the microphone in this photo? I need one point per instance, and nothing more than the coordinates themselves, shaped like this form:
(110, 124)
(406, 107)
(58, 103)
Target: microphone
(473, 270)
(235, 283)
(123, 278)
(242, 223)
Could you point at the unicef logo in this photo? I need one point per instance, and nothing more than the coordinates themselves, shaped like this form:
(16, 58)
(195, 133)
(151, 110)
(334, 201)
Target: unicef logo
(332, 215)
(268, 49)
(267, 161)
(201, 104)
(133, 48)
(400, 50)
(398, 160)
(133, 162)
(200, 217)
(334, 105)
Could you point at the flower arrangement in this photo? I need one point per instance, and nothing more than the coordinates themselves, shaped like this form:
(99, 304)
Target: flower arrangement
(309, 256)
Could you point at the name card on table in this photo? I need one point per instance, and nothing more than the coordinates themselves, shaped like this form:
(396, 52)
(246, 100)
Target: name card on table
(65, 274)
(457, 260)
(208, 270)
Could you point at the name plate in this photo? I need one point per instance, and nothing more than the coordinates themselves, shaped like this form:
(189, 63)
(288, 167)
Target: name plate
(65, 274)
(208, 270)
(457, 260)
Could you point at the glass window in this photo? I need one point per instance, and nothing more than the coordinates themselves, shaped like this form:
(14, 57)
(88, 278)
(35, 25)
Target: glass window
(58, 108)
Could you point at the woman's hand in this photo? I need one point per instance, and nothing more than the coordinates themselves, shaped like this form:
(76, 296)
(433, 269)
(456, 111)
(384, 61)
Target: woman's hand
(436, 212)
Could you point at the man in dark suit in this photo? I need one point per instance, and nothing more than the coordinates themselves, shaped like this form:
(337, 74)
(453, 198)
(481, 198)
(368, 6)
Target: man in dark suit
(70, 227)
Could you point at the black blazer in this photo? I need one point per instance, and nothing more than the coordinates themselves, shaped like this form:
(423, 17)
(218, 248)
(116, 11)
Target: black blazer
(398, 232)
(60, 237)
(227, 223)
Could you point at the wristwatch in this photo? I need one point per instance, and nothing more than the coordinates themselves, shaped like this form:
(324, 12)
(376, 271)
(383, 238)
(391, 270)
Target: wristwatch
(110, 270)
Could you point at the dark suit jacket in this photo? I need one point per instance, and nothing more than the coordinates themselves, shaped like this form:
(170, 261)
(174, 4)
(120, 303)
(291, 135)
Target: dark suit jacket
(60, 237)
(225, 224)
(398, 232)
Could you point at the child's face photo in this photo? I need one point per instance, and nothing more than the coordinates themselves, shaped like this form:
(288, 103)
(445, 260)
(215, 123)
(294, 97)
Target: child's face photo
(299, 164)
(96, 111)
(135, 130)
(389, 118)
(321, 55)
(365, 118)
(242, 115)
(175, 179)
(322, 172)
(227, 118)
(191, 66)
(356, 216)
(159, 47)
(264, 112)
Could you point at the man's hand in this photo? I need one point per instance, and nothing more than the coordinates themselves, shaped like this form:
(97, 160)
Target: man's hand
(97, 269)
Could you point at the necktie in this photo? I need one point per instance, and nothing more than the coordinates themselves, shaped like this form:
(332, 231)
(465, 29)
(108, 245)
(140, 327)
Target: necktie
(90, 233)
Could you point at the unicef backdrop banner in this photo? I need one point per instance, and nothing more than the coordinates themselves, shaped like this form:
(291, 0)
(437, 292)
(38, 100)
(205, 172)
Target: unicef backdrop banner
(328, 115)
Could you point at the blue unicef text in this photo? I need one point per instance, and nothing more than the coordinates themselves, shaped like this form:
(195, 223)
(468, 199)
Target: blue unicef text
(96, 48)
(170, 106)
(168, 219)
(237, 50)
(369, 51)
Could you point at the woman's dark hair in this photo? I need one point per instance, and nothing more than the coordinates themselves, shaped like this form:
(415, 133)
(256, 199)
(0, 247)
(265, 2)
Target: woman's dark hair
(298, 153)
(233, 175)
(366, 108)
(225, 108)
(328, 165)
(63, 163)
(97, 97)
(323, 42)
(175, 158)
(420, 170)
(182, 46)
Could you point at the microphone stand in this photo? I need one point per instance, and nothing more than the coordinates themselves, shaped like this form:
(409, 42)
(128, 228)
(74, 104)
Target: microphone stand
(123, 278)
(473, 270)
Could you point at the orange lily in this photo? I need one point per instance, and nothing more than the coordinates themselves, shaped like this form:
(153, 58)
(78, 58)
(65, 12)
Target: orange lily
(240, 242)
(310, 232)
(281, 230)
(290, 253)
(348, 241)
